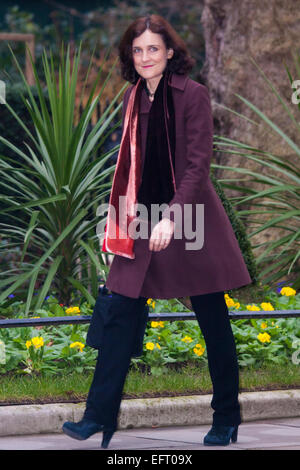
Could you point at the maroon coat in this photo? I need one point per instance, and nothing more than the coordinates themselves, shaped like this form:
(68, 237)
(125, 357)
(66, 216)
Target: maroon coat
(176, 271)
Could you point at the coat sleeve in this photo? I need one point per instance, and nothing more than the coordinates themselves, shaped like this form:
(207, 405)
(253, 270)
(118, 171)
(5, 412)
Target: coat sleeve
(199, 148)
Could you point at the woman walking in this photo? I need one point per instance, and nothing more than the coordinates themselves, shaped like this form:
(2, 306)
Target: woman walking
(189, 249)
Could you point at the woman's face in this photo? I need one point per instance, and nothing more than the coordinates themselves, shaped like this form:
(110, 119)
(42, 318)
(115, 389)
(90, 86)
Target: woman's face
(150, 55)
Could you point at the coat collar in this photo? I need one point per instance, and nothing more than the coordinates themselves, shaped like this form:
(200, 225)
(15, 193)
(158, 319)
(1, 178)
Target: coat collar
(178, 81)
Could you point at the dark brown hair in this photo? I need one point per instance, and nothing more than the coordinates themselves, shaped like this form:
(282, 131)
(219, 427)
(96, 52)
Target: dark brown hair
(181, 62)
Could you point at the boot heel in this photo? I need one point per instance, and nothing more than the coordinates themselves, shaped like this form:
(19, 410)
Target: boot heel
(107, 435)
(234, 435)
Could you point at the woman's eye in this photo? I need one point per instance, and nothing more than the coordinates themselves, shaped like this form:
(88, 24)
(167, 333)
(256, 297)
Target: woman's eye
(151, 48)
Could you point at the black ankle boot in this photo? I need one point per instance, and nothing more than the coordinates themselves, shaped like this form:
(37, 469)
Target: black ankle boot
(220, 435)
(86, 428)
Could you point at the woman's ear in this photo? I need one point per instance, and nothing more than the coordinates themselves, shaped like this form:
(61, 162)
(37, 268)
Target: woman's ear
(170, 53)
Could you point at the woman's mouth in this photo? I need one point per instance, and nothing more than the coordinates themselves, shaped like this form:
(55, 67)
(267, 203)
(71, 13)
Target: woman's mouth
(147, 66)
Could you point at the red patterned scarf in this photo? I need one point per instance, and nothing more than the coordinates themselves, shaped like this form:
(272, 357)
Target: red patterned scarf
(127, 180)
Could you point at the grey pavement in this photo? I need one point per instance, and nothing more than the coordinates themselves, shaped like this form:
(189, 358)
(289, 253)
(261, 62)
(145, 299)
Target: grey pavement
(271, 434)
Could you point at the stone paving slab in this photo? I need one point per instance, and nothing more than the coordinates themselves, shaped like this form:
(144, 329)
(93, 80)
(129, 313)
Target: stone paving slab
(275, 434)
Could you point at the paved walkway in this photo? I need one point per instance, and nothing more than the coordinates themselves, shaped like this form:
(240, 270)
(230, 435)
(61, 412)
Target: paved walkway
(271, 434)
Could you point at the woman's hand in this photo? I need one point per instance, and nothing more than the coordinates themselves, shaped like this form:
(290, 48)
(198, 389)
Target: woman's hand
(161, 235)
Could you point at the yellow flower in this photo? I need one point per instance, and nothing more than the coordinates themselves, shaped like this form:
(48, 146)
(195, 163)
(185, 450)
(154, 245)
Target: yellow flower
(78, 345)
(149, 346)
(287, 291)
(155, 324)
(187, 339)
(157, 345)
(264, 337)
(151, 302)
(28, 344)
(199, 349)
(253, 307)
(72, 310)
(264, 325)
(37, 341)
(229, 302)
(266, 306)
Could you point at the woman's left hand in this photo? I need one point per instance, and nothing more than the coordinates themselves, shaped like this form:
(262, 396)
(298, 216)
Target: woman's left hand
(161, 235)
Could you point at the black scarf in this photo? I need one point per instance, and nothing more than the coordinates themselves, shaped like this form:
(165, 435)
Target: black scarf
(156, 186)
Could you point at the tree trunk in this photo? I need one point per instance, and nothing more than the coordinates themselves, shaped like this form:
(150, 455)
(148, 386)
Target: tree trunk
(234, 31)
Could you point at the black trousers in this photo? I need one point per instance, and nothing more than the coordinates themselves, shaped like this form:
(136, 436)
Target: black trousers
(105, 394)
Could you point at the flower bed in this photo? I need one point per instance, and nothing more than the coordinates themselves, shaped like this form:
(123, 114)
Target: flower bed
(50, 350)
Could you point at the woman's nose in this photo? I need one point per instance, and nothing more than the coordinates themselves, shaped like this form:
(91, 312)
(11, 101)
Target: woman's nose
(145, 56)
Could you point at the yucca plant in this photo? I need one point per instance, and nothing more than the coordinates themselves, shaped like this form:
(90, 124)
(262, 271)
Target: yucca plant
(58, 184)
(280, 201)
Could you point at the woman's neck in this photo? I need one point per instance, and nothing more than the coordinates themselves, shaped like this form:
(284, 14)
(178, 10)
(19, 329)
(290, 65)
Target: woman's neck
(152, 84)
